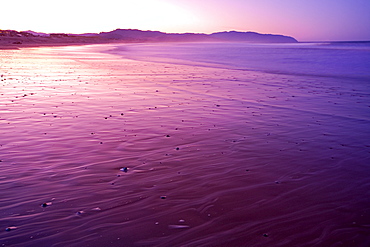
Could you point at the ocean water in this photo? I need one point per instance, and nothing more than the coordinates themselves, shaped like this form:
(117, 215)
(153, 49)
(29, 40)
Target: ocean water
(338, 59)
(180, 144)
(339, 67)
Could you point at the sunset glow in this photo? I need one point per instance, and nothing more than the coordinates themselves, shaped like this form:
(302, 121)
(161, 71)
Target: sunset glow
(305, 20)
(85, 16)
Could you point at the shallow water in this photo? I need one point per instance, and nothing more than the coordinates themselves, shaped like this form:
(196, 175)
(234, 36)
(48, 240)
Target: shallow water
(216, 156)
(338, 59)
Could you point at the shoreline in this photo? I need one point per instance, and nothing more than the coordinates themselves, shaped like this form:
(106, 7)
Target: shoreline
(37, 45)
(18, 44)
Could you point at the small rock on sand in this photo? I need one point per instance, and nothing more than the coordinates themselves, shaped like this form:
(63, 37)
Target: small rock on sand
(46, 204)
(124, 169)
(10, 228)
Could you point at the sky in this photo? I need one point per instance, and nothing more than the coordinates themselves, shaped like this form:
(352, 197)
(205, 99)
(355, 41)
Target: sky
(305, 20)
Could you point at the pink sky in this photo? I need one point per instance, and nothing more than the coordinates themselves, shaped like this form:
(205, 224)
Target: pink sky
(314, 20)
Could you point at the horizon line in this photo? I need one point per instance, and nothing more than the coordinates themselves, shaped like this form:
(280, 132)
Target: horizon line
(206, 33)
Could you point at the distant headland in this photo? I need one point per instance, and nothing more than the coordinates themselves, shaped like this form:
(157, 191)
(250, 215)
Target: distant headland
(13, 39)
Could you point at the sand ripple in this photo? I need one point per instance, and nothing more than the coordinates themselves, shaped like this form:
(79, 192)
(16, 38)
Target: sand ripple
(214, 157)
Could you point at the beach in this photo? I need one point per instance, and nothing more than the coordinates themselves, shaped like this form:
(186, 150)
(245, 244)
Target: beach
(123, 145)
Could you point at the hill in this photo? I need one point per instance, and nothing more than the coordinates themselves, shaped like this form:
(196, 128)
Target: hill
(134, 35)
(10, 39)
(253, 37)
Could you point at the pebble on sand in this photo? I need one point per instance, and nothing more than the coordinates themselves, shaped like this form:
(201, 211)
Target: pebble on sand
(10, 228)
(46, 204)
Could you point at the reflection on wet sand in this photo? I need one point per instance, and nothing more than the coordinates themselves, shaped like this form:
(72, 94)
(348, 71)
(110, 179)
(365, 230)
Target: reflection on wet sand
(97, 150)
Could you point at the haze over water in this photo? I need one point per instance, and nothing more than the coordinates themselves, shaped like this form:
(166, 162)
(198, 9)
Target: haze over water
(224, 144)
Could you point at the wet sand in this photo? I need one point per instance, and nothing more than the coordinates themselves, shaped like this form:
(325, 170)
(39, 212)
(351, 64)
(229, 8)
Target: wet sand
(214, 157)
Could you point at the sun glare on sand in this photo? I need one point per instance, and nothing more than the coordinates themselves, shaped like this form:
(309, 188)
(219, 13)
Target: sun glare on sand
(72, 16)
